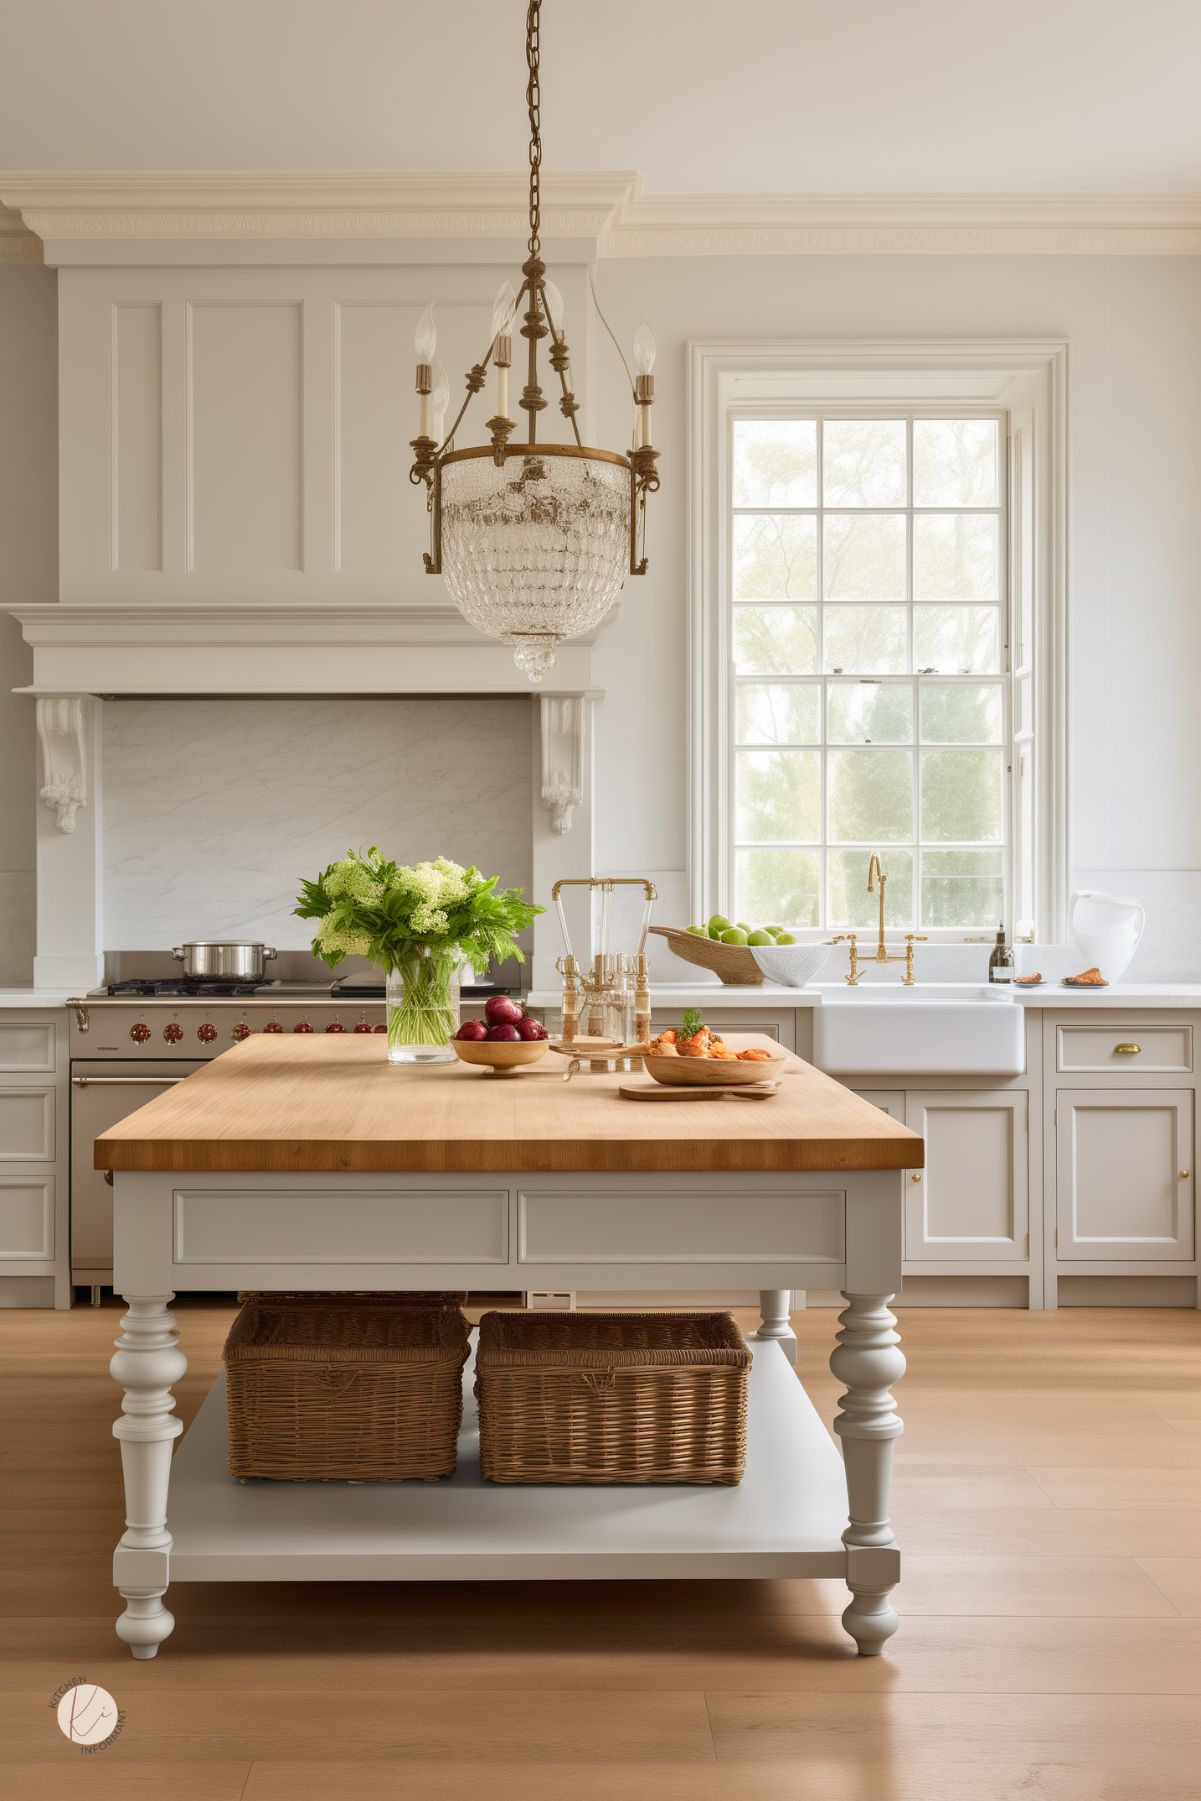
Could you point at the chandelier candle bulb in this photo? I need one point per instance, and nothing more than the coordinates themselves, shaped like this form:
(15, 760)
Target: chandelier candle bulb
(438, 403)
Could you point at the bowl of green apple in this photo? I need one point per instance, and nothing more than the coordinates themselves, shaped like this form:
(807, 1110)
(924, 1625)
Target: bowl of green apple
(741, 954)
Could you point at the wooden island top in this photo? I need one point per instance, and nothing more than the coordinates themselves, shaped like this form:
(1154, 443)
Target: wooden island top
(335, 1103)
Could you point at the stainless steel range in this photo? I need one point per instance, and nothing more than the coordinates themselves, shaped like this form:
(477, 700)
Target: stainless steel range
(137, 1038)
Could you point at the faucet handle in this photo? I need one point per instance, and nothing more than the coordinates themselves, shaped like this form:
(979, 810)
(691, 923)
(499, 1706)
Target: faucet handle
(916, 938)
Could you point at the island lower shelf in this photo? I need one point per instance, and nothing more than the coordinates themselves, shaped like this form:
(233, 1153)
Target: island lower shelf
(786, 1518)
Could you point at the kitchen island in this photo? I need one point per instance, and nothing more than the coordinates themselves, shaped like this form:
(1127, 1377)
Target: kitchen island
(296, 1162)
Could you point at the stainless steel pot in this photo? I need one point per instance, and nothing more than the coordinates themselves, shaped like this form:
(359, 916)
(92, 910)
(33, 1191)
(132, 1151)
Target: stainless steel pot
(223, 960)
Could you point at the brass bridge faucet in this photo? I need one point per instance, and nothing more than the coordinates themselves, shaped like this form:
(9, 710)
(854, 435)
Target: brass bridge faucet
(876, 879)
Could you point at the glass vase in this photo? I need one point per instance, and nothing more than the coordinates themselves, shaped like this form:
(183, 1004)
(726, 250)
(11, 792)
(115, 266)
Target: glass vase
(422, 999)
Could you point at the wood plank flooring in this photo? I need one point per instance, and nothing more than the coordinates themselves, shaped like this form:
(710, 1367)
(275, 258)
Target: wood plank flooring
(1048, 1502)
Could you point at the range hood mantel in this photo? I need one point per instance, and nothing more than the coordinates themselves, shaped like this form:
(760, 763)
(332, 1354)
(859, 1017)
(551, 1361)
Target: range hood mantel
(275, 648)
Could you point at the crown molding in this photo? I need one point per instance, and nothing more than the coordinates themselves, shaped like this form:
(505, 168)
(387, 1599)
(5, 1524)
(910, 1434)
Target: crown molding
(65, 207)
(905, 224)
(607, 210)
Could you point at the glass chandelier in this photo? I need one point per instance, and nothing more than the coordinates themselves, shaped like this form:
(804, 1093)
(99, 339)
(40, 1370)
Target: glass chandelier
(534, 539)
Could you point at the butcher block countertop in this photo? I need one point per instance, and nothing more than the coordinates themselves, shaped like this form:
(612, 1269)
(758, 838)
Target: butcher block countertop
(289, 1103)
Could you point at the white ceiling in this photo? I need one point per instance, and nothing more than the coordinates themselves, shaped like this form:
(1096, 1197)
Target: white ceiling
(702, 96)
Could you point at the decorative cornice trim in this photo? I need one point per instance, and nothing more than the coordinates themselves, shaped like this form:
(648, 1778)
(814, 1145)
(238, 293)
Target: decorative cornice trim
(17, 243)
(609, 207)
(272, 648)
(906, 224)
(68, 207)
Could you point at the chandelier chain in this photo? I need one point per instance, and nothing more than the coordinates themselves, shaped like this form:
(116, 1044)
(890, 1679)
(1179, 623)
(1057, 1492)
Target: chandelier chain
(533, 100)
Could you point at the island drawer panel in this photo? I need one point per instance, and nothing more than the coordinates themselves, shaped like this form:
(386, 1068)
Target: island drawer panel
(386, 1227)
(1125, 1050)
(26, 1047)
(724, 1226)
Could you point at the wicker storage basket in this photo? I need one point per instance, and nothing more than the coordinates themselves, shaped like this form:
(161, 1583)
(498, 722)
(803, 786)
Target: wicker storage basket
(328, 1392)
(611, 1397)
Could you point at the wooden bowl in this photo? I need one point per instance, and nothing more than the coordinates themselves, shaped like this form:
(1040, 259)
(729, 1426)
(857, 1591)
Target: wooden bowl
(503, 1058)
(711, 1072)
(734, 963)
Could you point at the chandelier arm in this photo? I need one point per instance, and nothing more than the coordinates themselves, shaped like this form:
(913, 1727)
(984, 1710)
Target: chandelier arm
(600, 313)
(467, 399)
(559, 341)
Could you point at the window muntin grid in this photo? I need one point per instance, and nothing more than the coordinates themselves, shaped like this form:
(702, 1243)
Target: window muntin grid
(873, 628)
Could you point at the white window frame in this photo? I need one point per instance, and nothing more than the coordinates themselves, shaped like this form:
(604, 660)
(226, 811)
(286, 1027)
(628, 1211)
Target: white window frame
(1024, 381)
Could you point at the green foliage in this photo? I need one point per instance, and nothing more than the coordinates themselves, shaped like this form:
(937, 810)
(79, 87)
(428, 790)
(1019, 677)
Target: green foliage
(691, 1024)
(372, 907)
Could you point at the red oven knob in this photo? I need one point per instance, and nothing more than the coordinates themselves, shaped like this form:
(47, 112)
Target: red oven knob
(140, 1032)
(362, 1025)
(337, 1026)
(173, 1031)
(206, 1033)
(273, 1027)
(304, 1026)
(379, 1028)
(240, 1031)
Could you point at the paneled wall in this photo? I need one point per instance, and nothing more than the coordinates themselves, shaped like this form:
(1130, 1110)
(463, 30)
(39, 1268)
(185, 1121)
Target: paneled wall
(28, 572)
(245, 434)
(316, 496)
(214, 809)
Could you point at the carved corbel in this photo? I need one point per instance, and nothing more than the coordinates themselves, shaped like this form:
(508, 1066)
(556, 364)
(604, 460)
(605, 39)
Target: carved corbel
(61, 726)
(562, 720)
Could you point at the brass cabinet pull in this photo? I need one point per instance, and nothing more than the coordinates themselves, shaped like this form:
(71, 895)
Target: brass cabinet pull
(1127, 1050)
(916, 1176)
(1184, 1175)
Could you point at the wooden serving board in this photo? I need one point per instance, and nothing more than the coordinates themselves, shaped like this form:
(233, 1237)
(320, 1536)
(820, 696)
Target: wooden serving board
(663, 1091)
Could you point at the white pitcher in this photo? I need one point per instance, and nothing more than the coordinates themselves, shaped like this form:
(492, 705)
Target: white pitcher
(1106, 929)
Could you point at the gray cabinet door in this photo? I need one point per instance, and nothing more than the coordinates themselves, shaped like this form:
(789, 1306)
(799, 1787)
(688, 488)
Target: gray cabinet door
(1124, 1174)
(971, 1203)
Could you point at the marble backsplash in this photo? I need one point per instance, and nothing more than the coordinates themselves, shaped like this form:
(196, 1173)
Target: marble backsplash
(214, 809)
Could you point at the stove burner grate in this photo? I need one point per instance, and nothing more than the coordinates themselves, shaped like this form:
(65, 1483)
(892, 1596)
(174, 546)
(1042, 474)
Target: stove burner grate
(138, 989)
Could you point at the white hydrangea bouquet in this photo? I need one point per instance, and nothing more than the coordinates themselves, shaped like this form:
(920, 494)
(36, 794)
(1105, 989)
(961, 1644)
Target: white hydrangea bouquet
(418, 922)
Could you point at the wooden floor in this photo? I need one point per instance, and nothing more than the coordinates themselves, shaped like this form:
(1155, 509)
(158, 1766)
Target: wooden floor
(1049, 1509)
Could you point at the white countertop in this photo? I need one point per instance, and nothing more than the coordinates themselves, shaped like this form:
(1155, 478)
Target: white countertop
(34, 997)
(1118, 994)
(669, 997)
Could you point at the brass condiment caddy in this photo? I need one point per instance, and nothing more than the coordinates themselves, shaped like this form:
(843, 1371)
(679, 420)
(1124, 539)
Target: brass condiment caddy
(612, 997)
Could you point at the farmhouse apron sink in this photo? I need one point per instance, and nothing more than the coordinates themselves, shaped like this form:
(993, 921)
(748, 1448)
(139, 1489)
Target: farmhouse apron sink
(933, 1028)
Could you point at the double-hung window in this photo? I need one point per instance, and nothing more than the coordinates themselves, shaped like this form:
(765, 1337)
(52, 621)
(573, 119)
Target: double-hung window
(865, 656)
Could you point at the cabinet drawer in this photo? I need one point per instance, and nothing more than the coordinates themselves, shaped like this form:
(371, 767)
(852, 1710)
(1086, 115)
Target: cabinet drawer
(26, 1125)
(1126, 1050)
(26, 1047)
(26, 1218)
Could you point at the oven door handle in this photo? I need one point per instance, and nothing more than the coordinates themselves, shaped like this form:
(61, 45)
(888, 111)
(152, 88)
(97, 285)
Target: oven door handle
(126, 1081)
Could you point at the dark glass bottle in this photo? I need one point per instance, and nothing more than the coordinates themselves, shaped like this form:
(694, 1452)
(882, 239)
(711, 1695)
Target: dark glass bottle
(1000, 964)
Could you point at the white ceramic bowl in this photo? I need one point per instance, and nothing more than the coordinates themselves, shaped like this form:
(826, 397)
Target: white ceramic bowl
(793, 965)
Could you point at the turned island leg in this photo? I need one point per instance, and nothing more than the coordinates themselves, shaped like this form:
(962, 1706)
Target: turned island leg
(775, 1305)
(868, 1360)
(146, 1363)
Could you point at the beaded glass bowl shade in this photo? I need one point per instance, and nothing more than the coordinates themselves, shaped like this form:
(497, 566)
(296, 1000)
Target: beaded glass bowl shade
(535, 551)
